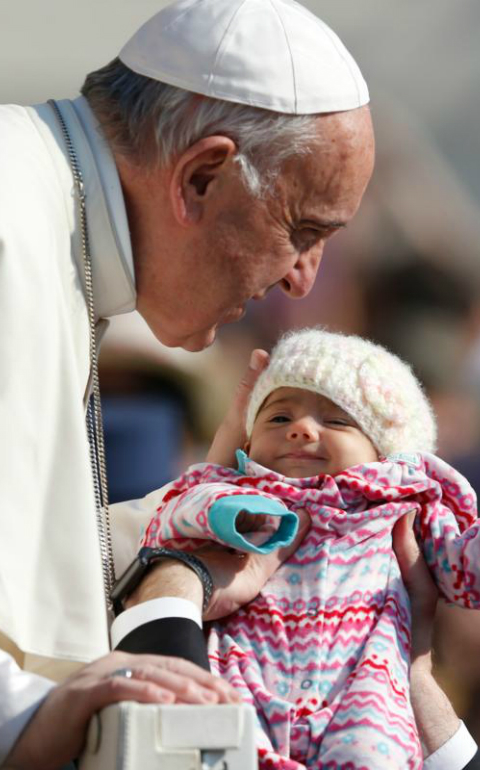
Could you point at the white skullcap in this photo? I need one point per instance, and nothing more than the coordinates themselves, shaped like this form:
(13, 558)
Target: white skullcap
(273, 54)
(373, 386)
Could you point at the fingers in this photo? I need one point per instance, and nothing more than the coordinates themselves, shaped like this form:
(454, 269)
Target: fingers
(264, 565)
(152, 685)
(258, 362)
(238, 578)
(420, 585)
(304, 523)
(405, 544)
(156, 678)
(251, 522)
(178, 667)
(116, 689)
(414, 569)
(231, 433)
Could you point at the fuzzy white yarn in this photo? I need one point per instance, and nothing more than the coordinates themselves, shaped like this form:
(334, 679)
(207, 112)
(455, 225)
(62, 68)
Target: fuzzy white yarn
(375, 387)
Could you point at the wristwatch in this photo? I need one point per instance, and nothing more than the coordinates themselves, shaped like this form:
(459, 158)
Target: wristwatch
(144, 560)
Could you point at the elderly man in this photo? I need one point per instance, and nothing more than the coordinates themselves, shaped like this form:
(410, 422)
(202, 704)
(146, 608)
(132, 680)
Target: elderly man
(207, 164)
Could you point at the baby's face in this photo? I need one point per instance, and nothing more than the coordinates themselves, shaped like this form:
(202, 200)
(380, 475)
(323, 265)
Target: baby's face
(299, 433)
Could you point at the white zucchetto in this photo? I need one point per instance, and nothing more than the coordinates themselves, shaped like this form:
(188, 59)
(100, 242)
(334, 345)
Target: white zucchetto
(273, 54)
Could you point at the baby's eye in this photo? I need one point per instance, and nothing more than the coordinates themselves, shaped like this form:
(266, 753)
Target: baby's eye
(336, 421)
(280, 418)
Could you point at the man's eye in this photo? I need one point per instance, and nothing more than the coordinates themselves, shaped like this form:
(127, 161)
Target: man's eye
(305, 238)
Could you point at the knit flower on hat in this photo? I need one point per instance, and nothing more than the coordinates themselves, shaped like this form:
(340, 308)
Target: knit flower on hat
(375, 387)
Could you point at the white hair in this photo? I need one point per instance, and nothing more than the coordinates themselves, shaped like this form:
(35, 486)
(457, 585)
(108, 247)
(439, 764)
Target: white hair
(154, 122)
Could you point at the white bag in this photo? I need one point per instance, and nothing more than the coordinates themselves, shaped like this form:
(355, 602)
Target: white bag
(140, 736)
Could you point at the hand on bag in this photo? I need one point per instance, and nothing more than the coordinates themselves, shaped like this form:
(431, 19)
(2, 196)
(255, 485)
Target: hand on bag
(56, 733)
(230, 436)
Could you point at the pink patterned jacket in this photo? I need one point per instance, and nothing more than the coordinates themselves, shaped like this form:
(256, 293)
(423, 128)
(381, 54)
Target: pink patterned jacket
(323, 651)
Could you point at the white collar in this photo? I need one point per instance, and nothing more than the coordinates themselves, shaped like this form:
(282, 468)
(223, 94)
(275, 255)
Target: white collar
(110, 246)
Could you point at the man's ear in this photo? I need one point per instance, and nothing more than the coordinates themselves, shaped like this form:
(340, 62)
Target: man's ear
(196, 174)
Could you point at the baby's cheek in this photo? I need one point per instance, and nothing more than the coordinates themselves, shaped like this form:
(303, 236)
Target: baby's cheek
(258, 450)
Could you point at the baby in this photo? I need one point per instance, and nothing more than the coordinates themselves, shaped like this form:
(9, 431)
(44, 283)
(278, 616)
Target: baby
(340, 427)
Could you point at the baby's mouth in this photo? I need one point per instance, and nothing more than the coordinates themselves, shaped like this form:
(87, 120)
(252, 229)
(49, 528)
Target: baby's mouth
(306, 456)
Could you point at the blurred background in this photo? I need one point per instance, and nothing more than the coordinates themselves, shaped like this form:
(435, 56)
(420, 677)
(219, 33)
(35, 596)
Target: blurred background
(406, 272)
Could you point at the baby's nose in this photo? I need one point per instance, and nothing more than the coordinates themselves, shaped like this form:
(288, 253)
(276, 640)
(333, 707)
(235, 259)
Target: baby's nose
(306, 429)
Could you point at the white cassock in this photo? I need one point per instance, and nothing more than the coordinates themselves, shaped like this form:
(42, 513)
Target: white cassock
(51, 588)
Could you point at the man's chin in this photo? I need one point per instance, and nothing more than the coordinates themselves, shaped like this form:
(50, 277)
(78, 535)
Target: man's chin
(199, 342)
(194, 343)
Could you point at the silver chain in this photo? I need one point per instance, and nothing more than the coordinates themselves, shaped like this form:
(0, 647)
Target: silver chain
(94, 410)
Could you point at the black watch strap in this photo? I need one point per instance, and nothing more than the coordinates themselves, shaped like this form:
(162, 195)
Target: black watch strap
(145, 559)
(195, 564)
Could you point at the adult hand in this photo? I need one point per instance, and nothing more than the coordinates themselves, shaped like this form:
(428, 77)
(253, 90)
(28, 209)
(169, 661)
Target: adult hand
(237, 577)
(435, 716)
(231, 433)
(56, 733)
(419, 583)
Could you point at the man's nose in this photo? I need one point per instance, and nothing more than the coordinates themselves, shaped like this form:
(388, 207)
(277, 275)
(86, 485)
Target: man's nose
(301, 277)
(304, 429)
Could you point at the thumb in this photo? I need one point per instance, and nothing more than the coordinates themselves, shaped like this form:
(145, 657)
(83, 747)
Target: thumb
(282, 554)
(419, 583)
(415, 572)
(405, 544)
(231, 433)
(258, 362)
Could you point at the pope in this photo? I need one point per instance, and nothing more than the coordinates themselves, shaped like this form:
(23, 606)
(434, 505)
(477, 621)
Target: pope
(208, 163)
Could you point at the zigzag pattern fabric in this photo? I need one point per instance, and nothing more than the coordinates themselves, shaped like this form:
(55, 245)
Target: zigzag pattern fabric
(323, 651)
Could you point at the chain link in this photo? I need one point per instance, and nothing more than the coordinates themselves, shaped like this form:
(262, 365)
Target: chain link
(94, 420)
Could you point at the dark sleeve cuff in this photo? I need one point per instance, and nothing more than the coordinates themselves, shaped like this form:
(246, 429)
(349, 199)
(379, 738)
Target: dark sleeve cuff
(177, 637)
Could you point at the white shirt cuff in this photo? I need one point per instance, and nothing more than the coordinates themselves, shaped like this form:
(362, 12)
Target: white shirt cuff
(454, 754)
(155, 609)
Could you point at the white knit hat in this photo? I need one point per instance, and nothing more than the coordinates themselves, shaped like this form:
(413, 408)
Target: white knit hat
(373, 386)
(273, 54)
